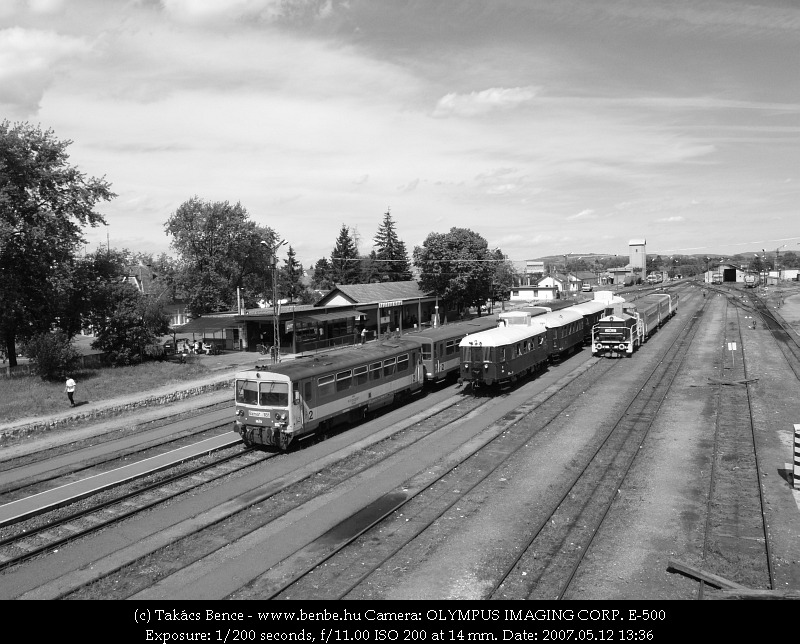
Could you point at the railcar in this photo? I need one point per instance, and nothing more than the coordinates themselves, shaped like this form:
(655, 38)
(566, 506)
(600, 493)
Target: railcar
(564, 331)
(440, 346)
(591, 311)
(503, 354)
(276, 405)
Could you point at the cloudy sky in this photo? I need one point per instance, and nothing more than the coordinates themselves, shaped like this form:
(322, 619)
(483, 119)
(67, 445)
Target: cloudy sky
(546, 126)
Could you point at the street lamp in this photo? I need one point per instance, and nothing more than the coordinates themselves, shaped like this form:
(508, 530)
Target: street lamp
(273, 264)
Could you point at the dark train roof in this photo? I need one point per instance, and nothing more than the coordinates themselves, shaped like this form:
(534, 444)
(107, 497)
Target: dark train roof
(304, 367)
(454, 329)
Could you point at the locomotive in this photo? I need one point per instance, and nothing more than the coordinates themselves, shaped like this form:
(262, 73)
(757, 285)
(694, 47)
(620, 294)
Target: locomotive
(622, 333)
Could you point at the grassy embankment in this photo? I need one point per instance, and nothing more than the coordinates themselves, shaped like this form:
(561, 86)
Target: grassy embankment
(30, 396)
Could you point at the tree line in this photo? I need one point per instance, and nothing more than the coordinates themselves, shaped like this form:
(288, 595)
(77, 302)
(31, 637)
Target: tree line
(51, 288)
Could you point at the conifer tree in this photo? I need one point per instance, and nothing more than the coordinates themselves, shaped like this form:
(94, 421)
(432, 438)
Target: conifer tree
(390, 252)
(345, 263)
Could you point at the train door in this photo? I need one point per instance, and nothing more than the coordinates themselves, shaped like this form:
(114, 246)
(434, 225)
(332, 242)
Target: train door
(304, 399)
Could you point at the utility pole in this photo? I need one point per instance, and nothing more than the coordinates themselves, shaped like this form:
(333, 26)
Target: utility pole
(276, 316)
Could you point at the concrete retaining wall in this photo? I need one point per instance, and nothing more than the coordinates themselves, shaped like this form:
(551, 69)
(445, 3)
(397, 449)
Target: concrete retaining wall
(10, 434)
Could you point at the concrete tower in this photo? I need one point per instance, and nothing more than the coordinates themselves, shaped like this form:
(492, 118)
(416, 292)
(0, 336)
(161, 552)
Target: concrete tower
(638, 255)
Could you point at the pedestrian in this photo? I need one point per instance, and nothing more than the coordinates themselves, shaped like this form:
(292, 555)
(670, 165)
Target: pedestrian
(363, 335)
(69, 388)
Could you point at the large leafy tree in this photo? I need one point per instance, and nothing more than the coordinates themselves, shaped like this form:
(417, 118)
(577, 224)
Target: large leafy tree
(457, 266)
(44, 205)
(220, 249)
(345, 263)
(390, 252)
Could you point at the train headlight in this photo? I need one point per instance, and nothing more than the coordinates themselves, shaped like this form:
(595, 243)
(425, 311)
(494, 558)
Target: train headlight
(622, 346)
(485, 365)
(240, 412)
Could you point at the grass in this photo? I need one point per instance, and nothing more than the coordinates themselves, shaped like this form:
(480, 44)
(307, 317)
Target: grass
(29, 396)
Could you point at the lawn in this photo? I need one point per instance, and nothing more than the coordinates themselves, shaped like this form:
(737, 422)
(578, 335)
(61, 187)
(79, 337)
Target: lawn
(28, 396)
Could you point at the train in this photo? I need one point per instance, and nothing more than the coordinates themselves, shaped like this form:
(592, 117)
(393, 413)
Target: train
(621, 334)
(279, 404)
(750, 280)
(527, 340)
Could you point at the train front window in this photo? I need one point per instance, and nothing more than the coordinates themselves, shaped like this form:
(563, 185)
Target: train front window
(274, 394)
(247, 392)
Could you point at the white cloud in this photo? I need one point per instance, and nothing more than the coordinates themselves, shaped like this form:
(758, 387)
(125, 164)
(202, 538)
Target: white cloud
(477, 103)
(29, 60)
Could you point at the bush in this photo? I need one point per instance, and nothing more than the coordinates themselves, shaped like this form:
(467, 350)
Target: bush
(51, 354)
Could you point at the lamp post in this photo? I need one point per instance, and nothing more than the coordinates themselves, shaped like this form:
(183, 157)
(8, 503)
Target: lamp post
(273, 264)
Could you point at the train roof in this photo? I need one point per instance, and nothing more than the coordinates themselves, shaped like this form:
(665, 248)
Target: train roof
(558, 318)
(615, 318)
(587, 308)
(335, 360)
(454, 329)
(502, 335)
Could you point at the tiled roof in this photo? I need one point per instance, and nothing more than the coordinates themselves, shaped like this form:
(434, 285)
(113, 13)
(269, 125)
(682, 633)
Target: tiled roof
(378, 292)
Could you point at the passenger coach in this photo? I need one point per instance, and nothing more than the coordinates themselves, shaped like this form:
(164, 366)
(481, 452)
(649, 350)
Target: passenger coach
(279, 404)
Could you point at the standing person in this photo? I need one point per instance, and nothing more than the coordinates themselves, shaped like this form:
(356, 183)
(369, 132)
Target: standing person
(70, 390)
(363, 335)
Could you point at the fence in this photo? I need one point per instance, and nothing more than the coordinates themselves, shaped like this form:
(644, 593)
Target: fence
(90, 361)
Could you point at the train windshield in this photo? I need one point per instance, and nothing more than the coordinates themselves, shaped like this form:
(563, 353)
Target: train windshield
(271, 394)
(274, 394)
(476, 354)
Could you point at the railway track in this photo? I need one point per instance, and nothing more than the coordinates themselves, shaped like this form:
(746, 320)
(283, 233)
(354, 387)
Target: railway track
(31, 537)
(340, 564)
(21, 480)
(736, 544)
(441, 418)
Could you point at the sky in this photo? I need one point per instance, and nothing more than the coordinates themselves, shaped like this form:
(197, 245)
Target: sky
(547, 126)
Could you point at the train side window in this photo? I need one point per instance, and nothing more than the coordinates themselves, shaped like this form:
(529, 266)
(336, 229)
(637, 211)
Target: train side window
(375, 371)
(343, 380)
(247, 392)
(307, 394)
(427, 351)
(325, 386)
(450, 347)
(402, 363)
(360, 375)
(389, 366)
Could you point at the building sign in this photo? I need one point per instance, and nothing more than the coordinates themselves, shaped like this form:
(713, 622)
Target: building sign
(386, 305)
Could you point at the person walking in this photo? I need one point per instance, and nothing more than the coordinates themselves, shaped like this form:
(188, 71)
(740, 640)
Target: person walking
(70, 390)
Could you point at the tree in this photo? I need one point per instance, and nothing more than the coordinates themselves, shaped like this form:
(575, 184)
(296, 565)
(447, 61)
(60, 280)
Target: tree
(345, 262)
(457, 266)
(290, 277)
(504, 276)
(44, 205)
(220, 250)
(52, 354)
(321, 278)
(390, 252)
(127, 322)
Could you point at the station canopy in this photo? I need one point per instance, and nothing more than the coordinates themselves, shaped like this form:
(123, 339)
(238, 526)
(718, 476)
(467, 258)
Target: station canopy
(328, 317)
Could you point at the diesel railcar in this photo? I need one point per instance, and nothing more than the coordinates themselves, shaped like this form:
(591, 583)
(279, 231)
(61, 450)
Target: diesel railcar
(276, 405)
(503, 354)
(440, 346)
